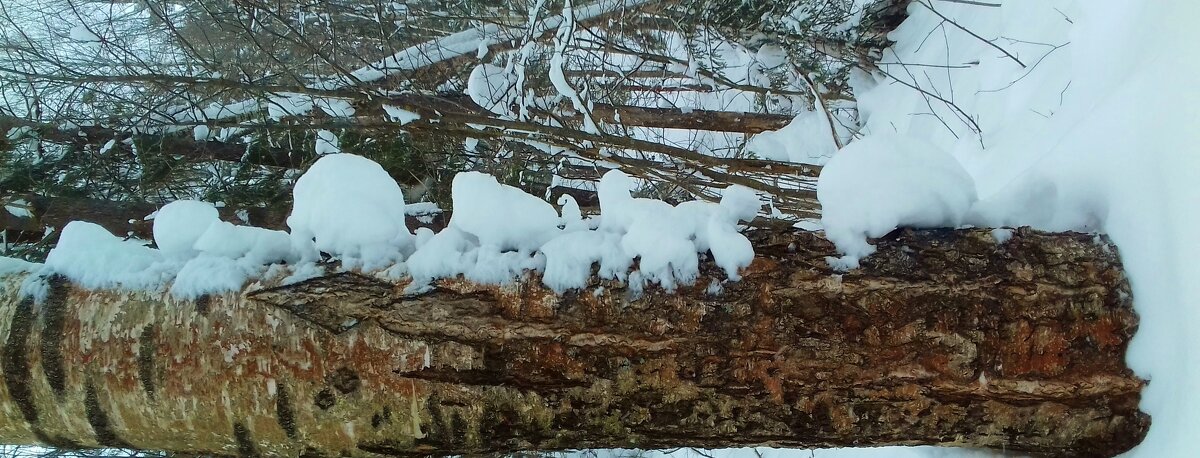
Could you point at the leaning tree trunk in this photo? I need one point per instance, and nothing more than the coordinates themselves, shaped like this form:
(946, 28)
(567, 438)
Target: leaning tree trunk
(942, 337)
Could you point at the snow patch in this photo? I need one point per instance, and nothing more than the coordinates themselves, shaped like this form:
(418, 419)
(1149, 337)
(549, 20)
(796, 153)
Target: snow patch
(807, 139)
(348, 206)
(92, 257)
(501, 216)
(885, 181)
(400, 115)
(179, 224)
(327, 143)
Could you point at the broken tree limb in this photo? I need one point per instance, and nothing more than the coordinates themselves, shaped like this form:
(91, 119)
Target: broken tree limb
(943, 337)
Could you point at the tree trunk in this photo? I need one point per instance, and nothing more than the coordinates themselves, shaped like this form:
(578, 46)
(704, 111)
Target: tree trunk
(943, 337)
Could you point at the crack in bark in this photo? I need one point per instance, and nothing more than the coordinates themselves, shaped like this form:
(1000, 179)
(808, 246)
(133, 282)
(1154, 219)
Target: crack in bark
(245, 441)
(283, 410)
(17, 372)
(54, 318)
(98, 419)
(485, 378)
(145, 358)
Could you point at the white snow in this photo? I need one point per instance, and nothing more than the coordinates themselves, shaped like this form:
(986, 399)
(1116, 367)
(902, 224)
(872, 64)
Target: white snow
(108, 146)
(885, 181)
(1097, 132)
(421, 209)
(18, 208)
(490, 87)
(303, 271)
(741, 202)
(569, 259)
(179, 224)
(771, 55)
(501, 216)
(289, 104)
(665, 238)
(618, 209)
(731, 250)
(338, 108)
(808, 139)
(254, 245)
(571, 217)
(9, 266)
(327, 143)
(209, 274)
(199, 133)
(94, 258)
(82, 34)
(349, 207)
(445, 254)
(400, 115)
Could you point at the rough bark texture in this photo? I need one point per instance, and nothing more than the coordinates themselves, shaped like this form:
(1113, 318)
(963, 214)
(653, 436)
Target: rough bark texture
(942, 337)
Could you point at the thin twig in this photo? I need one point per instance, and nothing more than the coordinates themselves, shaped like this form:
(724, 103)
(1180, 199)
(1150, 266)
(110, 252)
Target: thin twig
(964, 29)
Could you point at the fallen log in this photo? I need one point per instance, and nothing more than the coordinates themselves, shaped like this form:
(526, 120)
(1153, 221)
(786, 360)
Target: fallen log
(943, 337)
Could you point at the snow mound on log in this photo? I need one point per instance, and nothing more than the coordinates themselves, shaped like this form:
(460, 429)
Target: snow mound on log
(211, 274)
(94, 258)
(499, 215)
(885, 181)
(179, 224)
(253, 244)
(348, 206)
(498, 231)
(666, 238)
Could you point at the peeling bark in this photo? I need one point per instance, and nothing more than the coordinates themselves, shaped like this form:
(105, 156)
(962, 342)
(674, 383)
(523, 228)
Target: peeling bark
(942, 337)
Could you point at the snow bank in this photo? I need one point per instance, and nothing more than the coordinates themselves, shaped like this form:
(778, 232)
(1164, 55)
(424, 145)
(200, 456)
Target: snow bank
(885, 181)
(349, 207)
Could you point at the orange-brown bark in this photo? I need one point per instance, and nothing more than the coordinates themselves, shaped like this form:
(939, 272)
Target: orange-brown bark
(942, 337)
